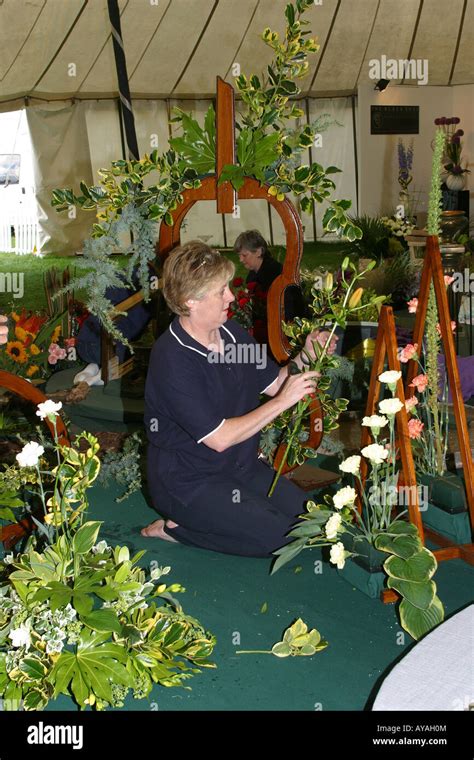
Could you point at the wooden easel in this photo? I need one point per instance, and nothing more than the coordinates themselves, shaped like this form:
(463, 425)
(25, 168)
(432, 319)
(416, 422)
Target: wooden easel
(433, 273)
(386, 346)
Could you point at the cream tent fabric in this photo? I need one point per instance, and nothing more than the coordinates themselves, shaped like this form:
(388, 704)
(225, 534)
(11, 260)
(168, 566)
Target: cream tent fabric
(56, 58)
(175, 48)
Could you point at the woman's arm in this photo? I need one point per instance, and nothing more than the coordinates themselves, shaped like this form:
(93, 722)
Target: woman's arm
(238, 429)
(317, 335)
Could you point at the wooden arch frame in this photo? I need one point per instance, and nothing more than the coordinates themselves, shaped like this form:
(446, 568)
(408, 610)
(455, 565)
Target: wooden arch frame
(169, 237)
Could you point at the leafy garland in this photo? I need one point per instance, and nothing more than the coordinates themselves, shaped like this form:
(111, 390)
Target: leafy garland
(267, 149)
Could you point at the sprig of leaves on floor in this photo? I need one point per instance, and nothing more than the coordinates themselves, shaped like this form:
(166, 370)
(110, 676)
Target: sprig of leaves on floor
(297, 641)
(123, 467)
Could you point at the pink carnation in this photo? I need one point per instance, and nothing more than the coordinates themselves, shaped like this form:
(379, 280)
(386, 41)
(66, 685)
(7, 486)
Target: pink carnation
(408, 352)
(453, 327)
(419, 382)
(415, 428)
(448, 279)
(413, 305)
(55, 353)
(410, 403)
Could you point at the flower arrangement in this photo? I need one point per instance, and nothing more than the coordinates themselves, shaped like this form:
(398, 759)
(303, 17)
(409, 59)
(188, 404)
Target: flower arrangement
(249, 302)
(452, 144)
(77, 616)
(410, 566)
(333, 305)
(429, 412)
(399, 227)
(36, 347)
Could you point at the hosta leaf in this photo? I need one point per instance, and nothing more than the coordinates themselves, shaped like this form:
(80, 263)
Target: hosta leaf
(402, 546)
(420, 594)
(417, 621)
(419, 567)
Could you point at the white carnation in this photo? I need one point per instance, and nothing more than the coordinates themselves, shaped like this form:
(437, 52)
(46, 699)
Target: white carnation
(390, 406)
(375, 421)
(375, 452)
(30, 454)
(344, 497)
(48, 408)
(351, 465)
(338, 555)
(333, 525)
(390, 377)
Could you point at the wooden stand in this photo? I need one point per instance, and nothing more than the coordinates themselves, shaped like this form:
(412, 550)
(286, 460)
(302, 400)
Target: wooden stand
(386, 345)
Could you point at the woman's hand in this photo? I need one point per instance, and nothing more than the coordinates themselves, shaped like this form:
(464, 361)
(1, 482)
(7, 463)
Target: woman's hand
(3, 329)
(297, 387)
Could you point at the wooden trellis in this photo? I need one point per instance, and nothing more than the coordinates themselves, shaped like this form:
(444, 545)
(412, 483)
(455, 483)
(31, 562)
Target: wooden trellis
(386, 348)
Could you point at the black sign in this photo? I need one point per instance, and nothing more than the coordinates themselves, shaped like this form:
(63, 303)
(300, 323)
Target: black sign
(394, 120)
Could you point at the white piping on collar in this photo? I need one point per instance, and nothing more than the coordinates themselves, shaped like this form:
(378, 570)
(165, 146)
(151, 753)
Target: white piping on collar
(191, 348)
(228, 331)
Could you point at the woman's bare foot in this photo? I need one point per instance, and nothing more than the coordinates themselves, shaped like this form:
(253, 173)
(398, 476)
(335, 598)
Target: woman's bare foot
(156, 530)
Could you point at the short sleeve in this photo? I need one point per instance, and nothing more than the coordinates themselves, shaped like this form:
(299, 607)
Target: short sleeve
(186, 395)
(266, 369)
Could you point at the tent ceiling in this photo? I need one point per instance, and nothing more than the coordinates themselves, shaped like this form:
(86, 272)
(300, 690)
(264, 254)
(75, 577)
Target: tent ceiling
(175, 48)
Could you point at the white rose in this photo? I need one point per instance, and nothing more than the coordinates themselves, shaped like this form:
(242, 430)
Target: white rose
(30, 454)
(338, 555)
(48, 408)
(391, 377)
(375, 452)
(351, 465)
(333, 525)
(344, 497)
(374, 421)
(390, 406)
(20, 637)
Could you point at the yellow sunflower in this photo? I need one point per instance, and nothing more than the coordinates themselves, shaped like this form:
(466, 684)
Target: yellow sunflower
(56, 334)
(32, 370)
(16, 351)
(34, 350)
(21, 334)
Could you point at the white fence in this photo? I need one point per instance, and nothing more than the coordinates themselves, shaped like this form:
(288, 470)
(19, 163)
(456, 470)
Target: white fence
(19, 232)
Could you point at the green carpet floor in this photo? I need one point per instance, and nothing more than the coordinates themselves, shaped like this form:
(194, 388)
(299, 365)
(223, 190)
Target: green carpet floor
(227, 593)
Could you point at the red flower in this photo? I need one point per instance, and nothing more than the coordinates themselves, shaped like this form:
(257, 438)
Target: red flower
(243, 301)
(251, 286)
(237, 282)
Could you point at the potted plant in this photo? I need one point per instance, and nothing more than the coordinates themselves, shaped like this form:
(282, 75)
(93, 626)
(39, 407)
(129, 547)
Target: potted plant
(79, 617)
(455, 177)
(410, 565)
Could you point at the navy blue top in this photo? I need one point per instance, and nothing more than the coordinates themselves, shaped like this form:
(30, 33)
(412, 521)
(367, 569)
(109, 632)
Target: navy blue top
(190, 391)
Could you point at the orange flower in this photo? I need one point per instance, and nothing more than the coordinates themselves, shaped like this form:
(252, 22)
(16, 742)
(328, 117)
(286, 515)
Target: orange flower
(21, 334)
(16, 351)
(32, 370)
(56, 334)
(34, 350)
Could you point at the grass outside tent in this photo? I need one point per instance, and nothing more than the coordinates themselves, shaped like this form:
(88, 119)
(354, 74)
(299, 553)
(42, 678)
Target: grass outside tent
(325, 255)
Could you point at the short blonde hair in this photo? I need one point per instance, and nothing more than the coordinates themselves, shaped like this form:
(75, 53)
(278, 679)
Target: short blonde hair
(190, 271)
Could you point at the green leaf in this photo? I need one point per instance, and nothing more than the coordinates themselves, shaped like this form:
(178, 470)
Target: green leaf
(35, 700)
(287, 553)
(264, 607)
(419, 567)
(417, 622)
(79, 688)
(420, 594)
(103, 620)
(86, 536)
(83, 603)
(402, 546)
(33, 668)
(281, 649)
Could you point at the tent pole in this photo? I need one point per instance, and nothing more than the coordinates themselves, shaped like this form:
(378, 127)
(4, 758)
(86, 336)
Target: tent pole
(122, 78)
